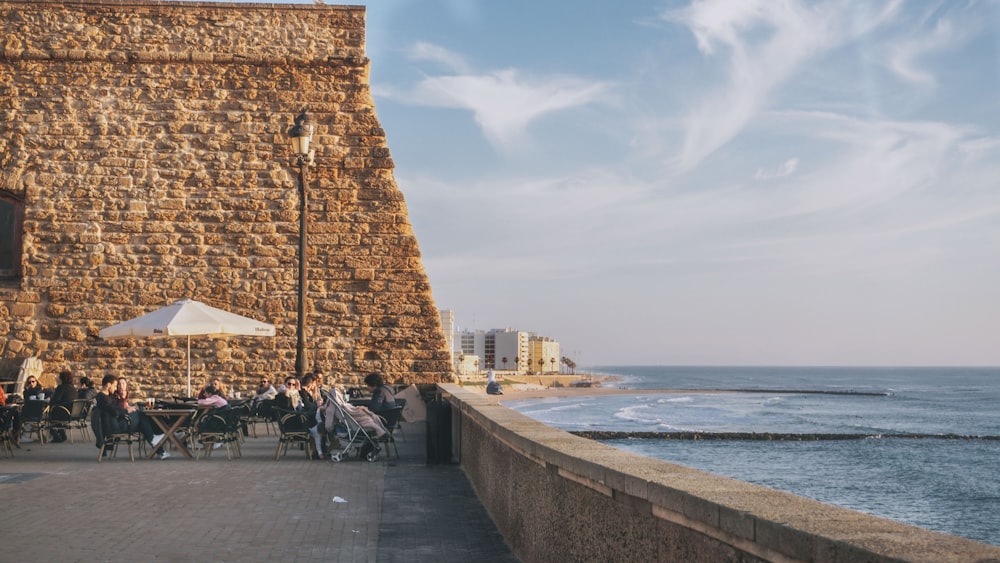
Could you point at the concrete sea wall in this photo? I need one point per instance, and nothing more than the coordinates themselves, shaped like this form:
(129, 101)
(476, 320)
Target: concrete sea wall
(559, 497)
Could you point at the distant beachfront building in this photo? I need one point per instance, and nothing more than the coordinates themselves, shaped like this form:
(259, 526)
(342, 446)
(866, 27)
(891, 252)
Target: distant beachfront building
(512, 346)
(544, 354)
(479, 350)
(448, 327)
(470, 351)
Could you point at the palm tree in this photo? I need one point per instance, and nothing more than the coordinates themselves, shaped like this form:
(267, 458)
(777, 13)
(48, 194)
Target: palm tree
(504, 361)
(569, 364)
(517, 361)
(552, 361)
(541, 362)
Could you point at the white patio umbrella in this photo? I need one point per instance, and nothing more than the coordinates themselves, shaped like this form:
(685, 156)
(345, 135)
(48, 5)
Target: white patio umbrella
(188, 318)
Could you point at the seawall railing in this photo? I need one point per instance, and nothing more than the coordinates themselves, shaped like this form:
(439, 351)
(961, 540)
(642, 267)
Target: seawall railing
(559, 497)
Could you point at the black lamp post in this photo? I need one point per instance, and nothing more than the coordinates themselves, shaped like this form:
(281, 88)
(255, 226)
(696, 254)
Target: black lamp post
(301, 134)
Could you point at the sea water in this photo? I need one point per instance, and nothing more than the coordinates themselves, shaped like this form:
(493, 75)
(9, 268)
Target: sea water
(947, 480)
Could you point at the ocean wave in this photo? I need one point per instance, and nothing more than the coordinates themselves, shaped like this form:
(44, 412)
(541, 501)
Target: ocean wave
(666, 427)
(684, 399)
(638, 413)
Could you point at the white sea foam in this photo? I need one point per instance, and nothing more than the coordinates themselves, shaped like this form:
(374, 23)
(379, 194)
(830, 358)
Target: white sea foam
(684, 399)
(638, 413)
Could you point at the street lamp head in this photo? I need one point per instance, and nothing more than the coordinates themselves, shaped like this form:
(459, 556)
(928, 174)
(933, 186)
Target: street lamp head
(301, 134)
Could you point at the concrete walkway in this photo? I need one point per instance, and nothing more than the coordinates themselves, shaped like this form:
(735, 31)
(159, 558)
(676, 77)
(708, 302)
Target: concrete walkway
(59, 503)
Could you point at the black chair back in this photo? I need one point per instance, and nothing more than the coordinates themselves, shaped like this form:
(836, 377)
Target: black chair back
(33, 410)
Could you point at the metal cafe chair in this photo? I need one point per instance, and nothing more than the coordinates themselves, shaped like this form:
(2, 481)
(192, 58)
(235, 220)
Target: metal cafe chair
(8, 434)
(34, 418)
(293, 427)
(391, 420)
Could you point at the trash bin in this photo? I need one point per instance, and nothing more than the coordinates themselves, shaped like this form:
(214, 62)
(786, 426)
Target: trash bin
(438, 432)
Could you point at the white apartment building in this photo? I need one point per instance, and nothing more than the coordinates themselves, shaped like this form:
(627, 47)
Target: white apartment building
(470, 351)
(512, 346)
(477, 351)
(448, 327)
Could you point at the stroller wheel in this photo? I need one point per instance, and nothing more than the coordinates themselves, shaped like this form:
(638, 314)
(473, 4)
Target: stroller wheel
(337, 457)
(372, 456)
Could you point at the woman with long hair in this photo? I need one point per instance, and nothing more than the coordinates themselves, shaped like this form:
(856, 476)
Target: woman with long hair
(137, 420)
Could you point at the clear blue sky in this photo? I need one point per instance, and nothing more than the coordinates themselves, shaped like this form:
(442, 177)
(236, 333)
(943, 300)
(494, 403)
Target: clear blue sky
(708, 182)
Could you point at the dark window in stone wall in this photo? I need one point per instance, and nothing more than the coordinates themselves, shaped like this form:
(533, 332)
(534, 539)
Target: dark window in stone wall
(11, 213)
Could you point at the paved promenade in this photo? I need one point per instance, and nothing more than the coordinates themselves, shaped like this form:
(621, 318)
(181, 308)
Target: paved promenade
(60, 504)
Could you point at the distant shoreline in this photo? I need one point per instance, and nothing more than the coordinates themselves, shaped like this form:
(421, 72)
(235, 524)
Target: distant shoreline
(514, 389)
(524, 386)
(513, 392)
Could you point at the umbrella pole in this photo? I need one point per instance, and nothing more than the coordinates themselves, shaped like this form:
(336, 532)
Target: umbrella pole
(189, 365)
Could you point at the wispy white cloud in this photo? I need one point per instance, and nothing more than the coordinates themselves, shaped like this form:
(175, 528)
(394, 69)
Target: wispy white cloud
(760, 178)
(504, 103)
(904, 56)
(786, 168)
(422, 51)
(765, 43)
(944, 26)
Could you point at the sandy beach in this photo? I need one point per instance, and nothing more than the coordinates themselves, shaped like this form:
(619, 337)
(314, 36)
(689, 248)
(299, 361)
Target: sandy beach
(538, 387)
(516, 392)
(541, 386)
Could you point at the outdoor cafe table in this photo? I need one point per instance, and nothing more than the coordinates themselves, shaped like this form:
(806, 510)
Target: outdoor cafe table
(161, 417)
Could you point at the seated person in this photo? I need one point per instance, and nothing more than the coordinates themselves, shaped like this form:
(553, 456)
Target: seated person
(383, 398)
(265, 391)
(136, 420)
(319, 383)
(86, 389)
(312, 401)
(215, 385)
(33, 388)
(294, 398)
(64, 395)
(213, 398)
(10, 417)
(289, 399)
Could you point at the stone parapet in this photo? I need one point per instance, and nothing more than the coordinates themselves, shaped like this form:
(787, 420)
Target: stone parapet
(559, 497)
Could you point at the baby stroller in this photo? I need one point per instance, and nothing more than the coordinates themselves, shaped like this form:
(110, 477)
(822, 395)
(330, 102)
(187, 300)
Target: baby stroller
(356, 427)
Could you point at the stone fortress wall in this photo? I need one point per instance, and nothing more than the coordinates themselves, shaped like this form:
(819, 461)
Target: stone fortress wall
(148, 143)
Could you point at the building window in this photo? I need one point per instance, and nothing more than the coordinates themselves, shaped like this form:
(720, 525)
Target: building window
(11, 217)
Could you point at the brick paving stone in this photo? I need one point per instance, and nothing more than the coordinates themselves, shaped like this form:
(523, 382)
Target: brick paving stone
(60, 503)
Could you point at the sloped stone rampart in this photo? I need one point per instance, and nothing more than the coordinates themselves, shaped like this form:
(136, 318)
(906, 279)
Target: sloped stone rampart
(148, 143)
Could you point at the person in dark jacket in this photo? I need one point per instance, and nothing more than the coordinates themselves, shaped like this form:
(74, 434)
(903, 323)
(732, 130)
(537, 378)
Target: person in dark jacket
(104, 421)
(116, 412)
(311, 401)
(86, 389)
(33, 388)
(64, 395)
(383, 398)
